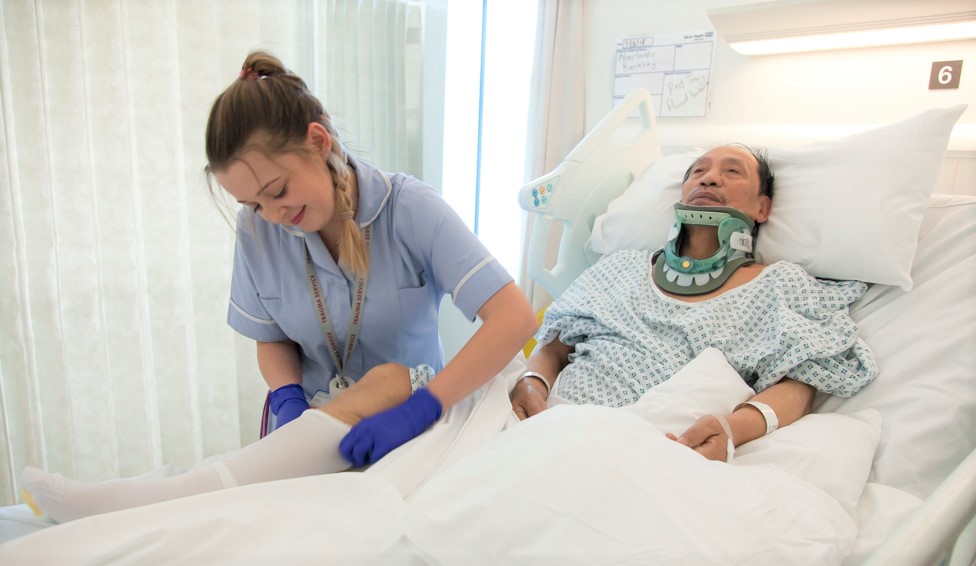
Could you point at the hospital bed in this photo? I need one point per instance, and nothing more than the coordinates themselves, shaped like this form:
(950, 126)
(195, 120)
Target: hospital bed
(885, 477)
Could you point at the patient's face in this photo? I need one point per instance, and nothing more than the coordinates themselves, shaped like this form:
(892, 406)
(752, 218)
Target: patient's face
(727, 176)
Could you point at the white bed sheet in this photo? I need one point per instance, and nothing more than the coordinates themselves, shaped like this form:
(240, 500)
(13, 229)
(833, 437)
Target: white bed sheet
(880, 510)
(925, 343)
(576, 484)
(339, 517)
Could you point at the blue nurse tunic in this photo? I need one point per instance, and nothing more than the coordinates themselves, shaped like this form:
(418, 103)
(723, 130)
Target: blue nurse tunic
(420, 250)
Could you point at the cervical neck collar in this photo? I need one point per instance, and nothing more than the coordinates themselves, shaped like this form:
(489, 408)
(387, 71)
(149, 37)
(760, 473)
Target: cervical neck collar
(683, 275)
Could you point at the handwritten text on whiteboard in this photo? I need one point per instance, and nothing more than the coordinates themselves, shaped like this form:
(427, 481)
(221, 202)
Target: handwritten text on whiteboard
(675, 69)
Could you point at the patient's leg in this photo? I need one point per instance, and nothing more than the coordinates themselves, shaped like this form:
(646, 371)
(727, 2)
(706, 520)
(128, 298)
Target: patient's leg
(383, 387)
(308, 445)
(295, 454)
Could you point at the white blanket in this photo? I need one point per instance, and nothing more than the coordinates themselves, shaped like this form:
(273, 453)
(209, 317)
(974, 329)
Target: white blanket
(572, 485)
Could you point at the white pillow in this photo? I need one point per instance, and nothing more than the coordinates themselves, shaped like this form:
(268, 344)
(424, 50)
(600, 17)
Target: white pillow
(843, 209)
(641, 218)
(595, 485)
(708, 385)
(833, 452)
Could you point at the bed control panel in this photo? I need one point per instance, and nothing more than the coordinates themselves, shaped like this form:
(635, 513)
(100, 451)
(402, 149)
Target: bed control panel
(538, 197)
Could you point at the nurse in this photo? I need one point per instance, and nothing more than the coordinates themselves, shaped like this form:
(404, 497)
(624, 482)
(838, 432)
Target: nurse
(340, 268)
(338, 273)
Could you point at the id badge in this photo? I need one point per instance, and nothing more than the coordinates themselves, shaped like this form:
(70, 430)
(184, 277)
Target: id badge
(337, 385)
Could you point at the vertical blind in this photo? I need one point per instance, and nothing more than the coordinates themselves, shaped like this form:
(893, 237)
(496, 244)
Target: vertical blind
(114, 262)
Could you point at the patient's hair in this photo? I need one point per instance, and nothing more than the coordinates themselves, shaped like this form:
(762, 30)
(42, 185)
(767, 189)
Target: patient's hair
(765, 173)
(268, 109)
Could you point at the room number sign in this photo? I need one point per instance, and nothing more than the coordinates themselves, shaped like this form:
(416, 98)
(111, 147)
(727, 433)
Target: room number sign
(945, 74)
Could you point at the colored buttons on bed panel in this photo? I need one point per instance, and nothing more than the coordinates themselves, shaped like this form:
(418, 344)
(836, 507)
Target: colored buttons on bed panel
(542, 194)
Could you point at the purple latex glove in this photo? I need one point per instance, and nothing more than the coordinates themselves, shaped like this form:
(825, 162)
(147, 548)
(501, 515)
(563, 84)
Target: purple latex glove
(287, 403)
(375, 436)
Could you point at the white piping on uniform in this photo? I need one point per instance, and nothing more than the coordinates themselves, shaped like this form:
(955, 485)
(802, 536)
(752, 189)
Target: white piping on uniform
(379, 209)
(250, 317)
(470, 274)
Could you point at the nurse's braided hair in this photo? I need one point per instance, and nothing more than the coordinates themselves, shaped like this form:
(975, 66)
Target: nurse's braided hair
(268, 109)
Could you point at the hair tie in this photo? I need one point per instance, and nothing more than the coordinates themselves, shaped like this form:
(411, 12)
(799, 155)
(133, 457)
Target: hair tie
(346, 214)
(249, 74)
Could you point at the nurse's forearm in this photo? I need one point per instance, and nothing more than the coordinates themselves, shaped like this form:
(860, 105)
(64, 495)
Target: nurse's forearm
(507, 324)
(279, 364)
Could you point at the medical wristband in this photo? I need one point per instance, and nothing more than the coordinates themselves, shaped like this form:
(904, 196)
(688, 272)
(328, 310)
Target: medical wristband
(538, 376)
(772, 422)
(730, 445)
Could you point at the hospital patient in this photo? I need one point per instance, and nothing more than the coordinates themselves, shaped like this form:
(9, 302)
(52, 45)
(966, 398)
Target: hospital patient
(636, 317)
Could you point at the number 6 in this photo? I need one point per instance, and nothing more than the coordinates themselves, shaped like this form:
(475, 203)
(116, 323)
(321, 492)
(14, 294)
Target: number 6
(945, 75)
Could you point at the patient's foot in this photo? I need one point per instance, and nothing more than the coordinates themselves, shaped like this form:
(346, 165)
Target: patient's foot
(64, 500)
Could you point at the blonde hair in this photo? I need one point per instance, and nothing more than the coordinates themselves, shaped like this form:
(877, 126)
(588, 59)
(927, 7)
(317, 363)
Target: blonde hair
(268, 109)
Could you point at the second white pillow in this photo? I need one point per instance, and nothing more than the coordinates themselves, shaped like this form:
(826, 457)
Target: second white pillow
(708, 385)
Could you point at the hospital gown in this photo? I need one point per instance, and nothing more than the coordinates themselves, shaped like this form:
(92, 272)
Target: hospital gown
(629, 336)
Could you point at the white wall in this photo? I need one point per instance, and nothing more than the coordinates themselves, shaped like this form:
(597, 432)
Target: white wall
(782, 99)
(759, 100)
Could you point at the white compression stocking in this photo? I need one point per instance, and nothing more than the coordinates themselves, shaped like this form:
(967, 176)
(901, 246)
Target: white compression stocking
(308, 445)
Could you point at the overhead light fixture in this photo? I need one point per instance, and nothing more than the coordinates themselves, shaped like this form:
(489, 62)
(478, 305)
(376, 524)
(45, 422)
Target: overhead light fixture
(792, 26)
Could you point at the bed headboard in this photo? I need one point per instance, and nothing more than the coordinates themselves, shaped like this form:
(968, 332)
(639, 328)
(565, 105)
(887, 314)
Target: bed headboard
(572, 207)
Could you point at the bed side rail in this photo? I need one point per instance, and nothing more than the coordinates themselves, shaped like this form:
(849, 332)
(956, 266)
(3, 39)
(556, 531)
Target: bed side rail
(601, 166)
(943, 530)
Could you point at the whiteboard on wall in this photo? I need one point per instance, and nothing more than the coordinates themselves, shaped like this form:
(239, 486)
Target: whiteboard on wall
(675, 68)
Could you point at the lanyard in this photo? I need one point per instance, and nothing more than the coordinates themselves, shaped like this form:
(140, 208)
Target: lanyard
(328, 330)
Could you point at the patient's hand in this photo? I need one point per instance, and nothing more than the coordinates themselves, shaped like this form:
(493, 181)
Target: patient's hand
(707, 437)
(528, 399)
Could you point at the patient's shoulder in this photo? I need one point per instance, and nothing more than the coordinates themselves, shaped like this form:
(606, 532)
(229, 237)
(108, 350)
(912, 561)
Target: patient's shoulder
(793, 279)
(621, 260)
(741, 276)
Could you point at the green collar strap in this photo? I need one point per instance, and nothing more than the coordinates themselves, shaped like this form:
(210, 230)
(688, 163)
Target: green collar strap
(684, 275)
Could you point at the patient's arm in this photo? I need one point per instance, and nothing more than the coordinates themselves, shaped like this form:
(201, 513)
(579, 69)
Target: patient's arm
(789, 398)
(529, 397)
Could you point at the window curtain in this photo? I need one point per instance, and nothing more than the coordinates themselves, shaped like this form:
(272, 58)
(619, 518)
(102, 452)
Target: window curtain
(115, 357)
(556, 112)
(370, 64)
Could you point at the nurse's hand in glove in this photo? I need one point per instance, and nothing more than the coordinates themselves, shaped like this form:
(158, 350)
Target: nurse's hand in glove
(376, 436)
(287, 403)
